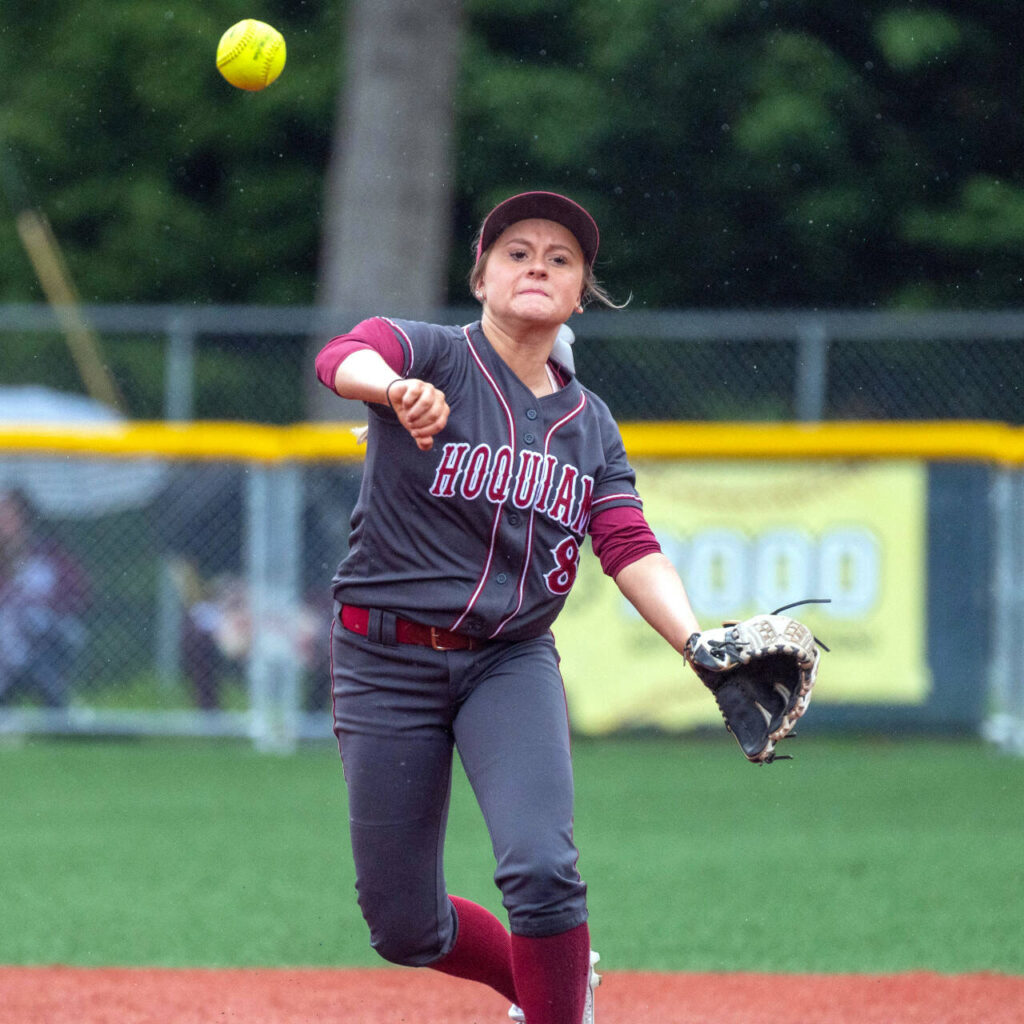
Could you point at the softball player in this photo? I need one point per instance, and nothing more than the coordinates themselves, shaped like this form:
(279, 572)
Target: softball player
(487, 465)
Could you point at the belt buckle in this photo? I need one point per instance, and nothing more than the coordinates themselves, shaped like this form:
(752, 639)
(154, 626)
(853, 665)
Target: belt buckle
(436, 642)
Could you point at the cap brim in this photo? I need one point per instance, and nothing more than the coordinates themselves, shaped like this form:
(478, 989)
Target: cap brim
(543, 206)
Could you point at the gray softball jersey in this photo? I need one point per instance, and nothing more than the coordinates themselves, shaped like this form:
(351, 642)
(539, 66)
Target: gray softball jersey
(482, 533)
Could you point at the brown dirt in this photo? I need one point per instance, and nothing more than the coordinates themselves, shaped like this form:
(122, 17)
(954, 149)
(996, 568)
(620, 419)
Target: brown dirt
(65, 995)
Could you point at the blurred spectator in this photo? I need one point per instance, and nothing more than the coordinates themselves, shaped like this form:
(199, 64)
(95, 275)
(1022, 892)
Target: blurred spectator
(43, 593)
(201, 523)
(217, 636)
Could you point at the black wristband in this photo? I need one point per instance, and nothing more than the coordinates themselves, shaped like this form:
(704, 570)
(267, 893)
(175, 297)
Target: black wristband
(387, 394)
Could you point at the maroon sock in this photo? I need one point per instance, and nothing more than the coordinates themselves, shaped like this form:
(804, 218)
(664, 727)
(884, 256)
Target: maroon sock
(551, 975)
(482, 950)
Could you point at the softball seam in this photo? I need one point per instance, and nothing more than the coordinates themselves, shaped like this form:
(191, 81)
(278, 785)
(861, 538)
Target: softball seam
(239, 46)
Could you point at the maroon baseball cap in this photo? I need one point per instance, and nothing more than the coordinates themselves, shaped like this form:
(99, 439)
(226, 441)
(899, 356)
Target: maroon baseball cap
(545, 206)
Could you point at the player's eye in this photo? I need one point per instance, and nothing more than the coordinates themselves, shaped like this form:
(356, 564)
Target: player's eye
(517, 254)
(562, 261)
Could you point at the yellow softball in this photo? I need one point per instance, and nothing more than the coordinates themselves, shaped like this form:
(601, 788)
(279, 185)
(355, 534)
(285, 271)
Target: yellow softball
(251, 54)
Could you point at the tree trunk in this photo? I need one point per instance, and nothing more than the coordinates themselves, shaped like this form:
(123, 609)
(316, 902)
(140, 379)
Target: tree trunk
(387, 204)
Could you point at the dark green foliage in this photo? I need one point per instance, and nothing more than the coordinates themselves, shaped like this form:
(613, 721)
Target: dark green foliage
(778, 153)
(162, 182)
(762, 154)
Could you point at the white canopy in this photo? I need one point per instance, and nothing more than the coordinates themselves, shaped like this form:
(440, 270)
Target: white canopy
(72, 486)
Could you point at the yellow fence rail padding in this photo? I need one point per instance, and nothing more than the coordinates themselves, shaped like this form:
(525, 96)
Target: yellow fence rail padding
(205, 440)
(314, 442)
(930, 440)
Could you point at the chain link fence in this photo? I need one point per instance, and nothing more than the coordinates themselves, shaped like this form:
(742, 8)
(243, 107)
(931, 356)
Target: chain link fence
(148, 596)
(129, 589)
(255, 364)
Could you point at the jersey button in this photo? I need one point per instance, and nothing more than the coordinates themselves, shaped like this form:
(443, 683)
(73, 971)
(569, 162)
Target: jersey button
(531, 414)
(501, 578)
(529, 438)
(513, 519)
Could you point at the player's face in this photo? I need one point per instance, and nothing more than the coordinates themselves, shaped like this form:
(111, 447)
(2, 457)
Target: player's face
(534, 274)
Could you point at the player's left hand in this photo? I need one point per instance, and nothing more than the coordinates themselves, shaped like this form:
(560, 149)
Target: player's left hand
(761, 671)
(421, 408)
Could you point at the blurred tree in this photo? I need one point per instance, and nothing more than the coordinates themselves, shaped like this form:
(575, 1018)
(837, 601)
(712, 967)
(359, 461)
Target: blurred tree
(387, 208)
(768, 153)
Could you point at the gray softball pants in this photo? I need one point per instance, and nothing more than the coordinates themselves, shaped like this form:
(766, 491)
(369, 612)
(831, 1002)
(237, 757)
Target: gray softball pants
(399, 709)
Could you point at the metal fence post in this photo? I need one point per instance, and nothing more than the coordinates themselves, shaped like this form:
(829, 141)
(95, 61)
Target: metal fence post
(1004, 725)
(169, 619)
(179, 369)
(1015, 743)
(274, 513)
(179, 390)
(1001, 667)
(811, 371)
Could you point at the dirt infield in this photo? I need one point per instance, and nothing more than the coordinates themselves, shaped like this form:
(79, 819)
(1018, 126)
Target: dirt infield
(64, 995)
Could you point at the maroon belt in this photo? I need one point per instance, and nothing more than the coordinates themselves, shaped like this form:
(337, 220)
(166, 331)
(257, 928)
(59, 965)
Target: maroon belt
(357, 620)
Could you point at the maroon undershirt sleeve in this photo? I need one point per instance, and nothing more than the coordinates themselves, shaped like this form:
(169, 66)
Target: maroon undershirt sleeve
(621, 536)
(373, 334)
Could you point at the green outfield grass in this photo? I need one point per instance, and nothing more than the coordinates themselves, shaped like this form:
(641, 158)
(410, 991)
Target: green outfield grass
(861, 855)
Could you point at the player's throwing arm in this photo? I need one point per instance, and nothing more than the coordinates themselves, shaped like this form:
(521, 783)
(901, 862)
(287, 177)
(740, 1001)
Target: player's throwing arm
(420, 407)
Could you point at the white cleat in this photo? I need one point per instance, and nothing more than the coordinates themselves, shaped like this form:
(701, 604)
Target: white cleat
(593, 980)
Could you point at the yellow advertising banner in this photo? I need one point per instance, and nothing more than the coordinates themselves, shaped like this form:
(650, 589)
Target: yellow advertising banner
(749, 537)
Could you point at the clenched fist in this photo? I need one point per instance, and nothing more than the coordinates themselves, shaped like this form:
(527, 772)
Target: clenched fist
(421, 409)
